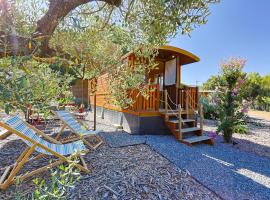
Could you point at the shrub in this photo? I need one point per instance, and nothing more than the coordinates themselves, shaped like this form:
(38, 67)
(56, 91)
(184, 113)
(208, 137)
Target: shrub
(209, 108)
(232, 109)
(58, 187)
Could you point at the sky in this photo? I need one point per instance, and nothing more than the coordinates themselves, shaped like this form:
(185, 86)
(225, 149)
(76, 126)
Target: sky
(235, 28)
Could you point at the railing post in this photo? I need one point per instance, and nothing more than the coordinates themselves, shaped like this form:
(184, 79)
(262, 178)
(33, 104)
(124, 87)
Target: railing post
(166, 104)
(198, 97)
(201, 116)
(157, 96)
(187, 102)
(180, 122)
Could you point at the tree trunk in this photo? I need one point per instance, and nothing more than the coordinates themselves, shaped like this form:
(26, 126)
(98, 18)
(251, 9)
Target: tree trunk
(58, 10)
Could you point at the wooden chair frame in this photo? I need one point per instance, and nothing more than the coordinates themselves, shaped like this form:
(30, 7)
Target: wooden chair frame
(9, 175)
(77, 135)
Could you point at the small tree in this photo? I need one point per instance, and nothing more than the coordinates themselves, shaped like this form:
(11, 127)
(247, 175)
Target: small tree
(231, 108)
(20, 88)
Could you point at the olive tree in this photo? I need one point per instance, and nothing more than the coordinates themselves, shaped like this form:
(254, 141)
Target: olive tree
(90, 36)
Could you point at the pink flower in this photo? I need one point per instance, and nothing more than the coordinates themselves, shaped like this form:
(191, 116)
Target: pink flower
(233, 63)
(212, 134)
(244, 110)
(235, 90)
(233, 94)
(241, 81)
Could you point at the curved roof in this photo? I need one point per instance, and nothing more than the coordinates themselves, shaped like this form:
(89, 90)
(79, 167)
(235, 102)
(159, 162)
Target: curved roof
(168, 52)
(186, 57)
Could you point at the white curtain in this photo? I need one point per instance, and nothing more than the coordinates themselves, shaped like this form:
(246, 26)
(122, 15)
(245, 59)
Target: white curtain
(170, 72)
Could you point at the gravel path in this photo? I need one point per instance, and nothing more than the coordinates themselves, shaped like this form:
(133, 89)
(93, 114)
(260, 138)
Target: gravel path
(231, 173)
(257, 140)
(122, 139)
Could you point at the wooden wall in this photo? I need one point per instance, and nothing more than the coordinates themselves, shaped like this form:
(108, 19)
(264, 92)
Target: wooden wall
(142, 104)
(102, 97)
(80, 91)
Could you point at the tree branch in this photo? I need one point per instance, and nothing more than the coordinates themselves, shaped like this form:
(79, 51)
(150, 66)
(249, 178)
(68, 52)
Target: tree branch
(58, 9)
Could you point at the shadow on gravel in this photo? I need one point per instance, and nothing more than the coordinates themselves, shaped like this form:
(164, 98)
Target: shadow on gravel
(121, 139)
(231, 173)
(258, 149)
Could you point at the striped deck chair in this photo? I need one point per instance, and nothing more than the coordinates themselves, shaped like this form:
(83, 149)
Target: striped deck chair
(38, 141)
(69, 121)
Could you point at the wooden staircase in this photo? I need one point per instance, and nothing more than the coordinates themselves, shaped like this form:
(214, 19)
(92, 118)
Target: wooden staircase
(188, 133)
(183, 125)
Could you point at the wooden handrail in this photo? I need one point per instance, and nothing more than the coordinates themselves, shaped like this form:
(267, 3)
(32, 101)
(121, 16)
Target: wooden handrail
(201, 116)
(180, 121)
(187, 103)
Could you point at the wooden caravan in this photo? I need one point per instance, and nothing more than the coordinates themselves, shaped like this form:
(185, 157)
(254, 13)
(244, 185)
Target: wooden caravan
(171, 107)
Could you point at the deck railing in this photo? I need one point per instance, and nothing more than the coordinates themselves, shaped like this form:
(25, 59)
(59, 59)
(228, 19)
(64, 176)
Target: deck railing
(188, 96)
(149, 103)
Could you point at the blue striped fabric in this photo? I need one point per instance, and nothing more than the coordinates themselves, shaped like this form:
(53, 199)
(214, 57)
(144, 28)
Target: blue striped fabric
(62, 149)
(73, 124)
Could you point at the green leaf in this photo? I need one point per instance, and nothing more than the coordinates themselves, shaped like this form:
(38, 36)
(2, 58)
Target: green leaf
(21, 67)
(7, 108)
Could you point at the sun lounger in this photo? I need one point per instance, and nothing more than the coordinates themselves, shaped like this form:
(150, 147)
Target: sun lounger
(44, 145)
(76, 128)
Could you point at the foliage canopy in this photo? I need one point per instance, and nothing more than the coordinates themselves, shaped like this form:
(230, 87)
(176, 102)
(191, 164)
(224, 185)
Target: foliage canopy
(86, 37)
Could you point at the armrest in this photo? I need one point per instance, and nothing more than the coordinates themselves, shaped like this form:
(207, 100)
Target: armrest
(4, 134)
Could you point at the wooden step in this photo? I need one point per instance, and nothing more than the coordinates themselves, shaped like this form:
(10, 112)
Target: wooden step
(171, 114)
(187, 130)
(175, 121)
(196, 139)
(175, 112)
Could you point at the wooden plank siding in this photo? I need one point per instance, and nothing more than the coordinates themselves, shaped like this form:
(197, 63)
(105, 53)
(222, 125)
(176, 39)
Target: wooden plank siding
(141, 106)
(141, 103)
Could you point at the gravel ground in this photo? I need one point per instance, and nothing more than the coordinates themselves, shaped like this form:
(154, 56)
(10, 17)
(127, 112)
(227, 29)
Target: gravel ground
(131, 172)
(122, 139)
(256, 141)
(259, 114)
(230, 172)
(238, 171)
(136, 172)
(152, 171)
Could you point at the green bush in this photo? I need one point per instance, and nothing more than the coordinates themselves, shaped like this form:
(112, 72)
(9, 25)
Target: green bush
(61, 182)
(209, 108)
(241, 128)
(231, 107)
